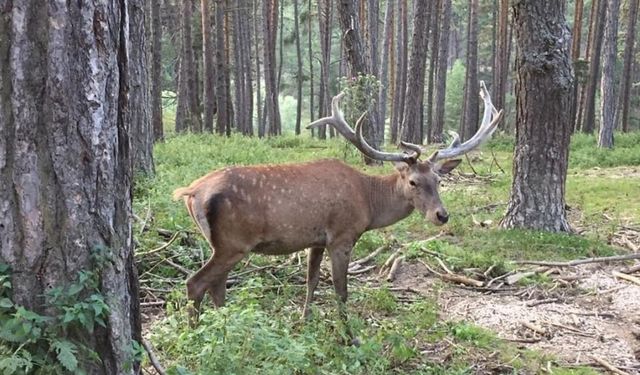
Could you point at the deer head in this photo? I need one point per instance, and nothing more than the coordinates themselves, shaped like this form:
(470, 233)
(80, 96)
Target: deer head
(418, 180)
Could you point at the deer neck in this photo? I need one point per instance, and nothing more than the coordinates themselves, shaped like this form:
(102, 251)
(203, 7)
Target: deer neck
(387, 204)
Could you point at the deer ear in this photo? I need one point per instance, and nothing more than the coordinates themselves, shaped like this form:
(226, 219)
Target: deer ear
(446, 166)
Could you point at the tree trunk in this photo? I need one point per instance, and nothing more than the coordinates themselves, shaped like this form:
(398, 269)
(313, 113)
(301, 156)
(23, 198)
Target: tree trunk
(67, 106)
(156, 70)
(575, 55)
(415, 78)
(209, 95)
(187, 113)
(310, 45)
(325, 11)
(502, 56)
(237, 68)
(625, 92)
(542, 121)
(400, 81)
(441, 80)
(471, 114)
(387, 51)
(245, 22)
(261, 123)
(433, 63)
(270, 31)
(354, 51)
(373, 14)
(296, 20)
(607, 92)
(597, 27)
(223, 94)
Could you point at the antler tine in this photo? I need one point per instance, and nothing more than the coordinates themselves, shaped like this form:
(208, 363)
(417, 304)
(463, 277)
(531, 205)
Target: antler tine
(380, 155)
(486, 129)
(355, 137)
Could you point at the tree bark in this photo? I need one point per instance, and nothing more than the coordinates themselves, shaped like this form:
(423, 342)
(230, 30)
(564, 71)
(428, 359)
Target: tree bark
(433, 63)
(156, 70)
(373, 14)
(270, 30)
(310, 48)
(471, 114)
(261, 123)
(296, 20)
(607, 91)
(575, 55)
(597, 26)
(222, 91)
(67, 106)
(625, 91)
(387, 51)
(355, 53)
(415, 78)
(542, 121)
(502, 56)
(400, 81)
(209, 94)
(441, 80)
(325, 12)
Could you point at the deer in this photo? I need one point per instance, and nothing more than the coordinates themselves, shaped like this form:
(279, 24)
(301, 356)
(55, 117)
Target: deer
(318, 205)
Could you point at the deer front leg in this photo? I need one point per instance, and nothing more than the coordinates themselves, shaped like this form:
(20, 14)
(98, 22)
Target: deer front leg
(340, 257)
(313, 276)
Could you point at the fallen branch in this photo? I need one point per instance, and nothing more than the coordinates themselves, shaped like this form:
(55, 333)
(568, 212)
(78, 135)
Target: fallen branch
(632, 269)
(151, 304)
(609, 366)
(510, 280)
(390, 260)
(158, 249)
(534, 328)
(368, 257)
(581, 261)
(152, 358)
(630, 278)
(361, 270)
(542, 302)
(394, 268)
(574, 330)
(454, 278)
(178, 267)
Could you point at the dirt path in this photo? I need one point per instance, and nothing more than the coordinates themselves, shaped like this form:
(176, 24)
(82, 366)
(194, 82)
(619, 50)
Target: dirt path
(598, 315)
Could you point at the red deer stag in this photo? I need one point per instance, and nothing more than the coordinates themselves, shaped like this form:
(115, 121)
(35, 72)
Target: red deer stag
(326, 204)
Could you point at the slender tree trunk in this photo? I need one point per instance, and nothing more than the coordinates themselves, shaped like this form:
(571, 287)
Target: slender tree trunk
(628, 61)
(354, 51)
(281, 46)
(502, 56)
(415, 78)
(270, 27)
(401, 71)
(575, 55)
(209, 98)
(543, 129)
(441, 80)
(471, 114)
(191, 68)
(223, 96)
(324, 22)
(261, 122)
(607, 91)
(238, 71)
(66, 123)
(183, 111)
(156, 70)
(310, 45)
(594, 65)
(373, 14)
(433, 63)
(387, 51)
(246, 32)
(296, 20)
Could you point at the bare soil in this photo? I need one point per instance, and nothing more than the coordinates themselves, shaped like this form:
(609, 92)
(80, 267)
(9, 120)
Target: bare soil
(596, 315)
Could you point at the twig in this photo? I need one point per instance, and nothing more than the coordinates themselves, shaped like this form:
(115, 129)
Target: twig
(630, 278)
(147, 217)
(633, 247)
(390, 260)
(496, 161)
(631, 269)
(453, 277)
(576, 331)
(158, 249)
(178, 267)
(499, 278)
(444, 266)
(394, 268)
(470, 164)
(581, 261)
(609, 366)
(152, 358)
(510, 280)
(362, 270)
(369, 257)
(542, 302)
(525, 341)
(153, 303)
(534, 328)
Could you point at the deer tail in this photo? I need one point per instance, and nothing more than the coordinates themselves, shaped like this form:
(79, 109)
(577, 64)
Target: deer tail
(181, 192)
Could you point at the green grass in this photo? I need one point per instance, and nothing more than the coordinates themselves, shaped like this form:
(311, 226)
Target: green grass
(259, 331)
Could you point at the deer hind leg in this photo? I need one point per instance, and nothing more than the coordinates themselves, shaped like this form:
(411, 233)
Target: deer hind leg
(313, 276)
(340, 255)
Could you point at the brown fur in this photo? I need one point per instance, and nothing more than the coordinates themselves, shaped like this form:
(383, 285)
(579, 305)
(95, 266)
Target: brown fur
(281, 209)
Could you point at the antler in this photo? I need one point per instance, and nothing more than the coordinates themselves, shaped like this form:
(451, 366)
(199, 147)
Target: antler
(485, 131)
(355, 137)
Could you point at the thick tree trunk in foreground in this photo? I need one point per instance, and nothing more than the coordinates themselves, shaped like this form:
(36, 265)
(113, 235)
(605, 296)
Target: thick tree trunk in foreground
(66, 112)
(543, 128)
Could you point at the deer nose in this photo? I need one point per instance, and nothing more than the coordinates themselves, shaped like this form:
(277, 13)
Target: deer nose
(442, 216)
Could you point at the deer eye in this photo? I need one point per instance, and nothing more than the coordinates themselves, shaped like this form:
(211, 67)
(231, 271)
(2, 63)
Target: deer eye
(412, 183)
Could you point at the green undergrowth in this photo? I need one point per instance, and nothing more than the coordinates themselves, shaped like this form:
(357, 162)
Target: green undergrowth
(259, 331)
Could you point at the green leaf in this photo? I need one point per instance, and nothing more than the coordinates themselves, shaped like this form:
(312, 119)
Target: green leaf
(75, 289)
(66, 354)
(6, 303)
